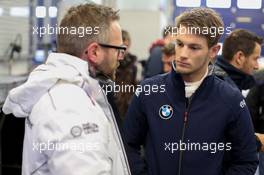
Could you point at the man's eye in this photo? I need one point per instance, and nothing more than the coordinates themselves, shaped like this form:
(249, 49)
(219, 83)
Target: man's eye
(179, 44)
(194, 48)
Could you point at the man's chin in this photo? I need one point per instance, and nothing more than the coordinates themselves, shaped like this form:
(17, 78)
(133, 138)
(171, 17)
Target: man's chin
(106, 74)
(183, 71)
(112, 76)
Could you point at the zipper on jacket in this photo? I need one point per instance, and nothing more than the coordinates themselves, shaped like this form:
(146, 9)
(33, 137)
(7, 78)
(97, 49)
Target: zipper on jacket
(186, 117)
(118, 134)
(185, 121)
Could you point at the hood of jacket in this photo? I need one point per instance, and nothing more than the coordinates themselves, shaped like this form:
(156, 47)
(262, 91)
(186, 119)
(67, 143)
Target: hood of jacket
(228, 72)
(59, 66)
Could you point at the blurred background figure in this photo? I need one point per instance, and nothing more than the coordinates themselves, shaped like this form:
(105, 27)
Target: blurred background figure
(241, 50)
(239, 60)
(168, 54)
(255, 103)
(126, 74)
(154, 63)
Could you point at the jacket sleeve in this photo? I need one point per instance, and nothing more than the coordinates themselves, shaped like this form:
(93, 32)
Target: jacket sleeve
(240, 133)
(135, 130)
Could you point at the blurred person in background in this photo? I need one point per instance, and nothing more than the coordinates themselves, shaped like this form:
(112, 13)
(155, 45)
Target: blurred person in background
(241, 50)
(239, 60)
(126, 75)
(154, 65)
(168, 54)
(255, 102)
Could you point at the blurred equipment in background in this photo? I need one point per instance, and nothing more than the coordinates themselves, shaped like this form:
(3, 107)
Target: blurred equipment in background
(11, 143)
(42, 53)
(14, 47)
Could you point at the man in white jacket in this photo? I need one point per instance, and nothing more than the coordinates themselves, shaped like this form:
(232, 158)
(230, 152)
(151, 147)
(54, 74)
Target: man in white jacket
(70, 128)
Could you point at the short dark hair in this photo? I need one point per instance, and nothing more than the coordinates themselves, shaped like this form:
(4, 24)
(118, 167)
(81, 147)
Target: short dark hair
(85, 15)
(240, 40)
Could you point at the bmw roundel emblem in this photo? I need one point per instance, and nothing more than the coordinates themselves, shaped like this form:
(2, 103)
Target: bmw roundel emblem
(165, 112)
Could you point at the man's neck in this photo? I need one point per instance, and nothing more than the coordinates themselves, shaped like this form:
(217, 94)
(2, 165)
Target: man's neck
(192, 86)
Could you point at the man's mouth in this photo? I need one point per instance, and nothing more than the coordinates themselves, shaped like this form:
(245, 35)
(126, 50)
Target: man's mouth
(182, 64)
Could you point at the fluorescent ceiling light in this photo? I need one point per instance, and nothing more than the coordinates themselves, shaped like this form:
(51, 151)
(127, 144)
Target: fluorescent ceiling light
(218, 3)
(188, 3)
(19, 11)
(40, 11)
(246, 4)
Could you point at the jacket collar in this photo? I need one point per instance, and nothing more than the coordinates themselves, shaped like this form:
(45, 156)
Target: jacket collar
(241, 80)
(176, 88)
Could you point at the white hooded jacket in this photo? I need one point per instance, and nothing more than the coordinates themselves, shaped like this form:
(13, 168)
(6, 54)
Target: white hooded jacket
(70, 128)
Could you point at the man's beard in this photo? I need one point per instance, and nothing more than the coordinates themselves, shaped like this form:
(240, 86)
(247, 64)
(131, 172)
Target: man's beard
(98, 72)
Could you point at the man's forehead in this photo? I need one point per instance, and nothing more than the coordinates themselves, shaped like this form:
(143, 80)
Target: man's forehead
(257, 49)
(191, 40)
(115, 26)
(115, 33)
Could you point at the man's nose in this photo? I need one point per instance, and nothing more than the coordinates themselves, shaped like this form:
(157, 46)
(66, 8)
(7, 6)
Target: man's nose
(183, 53)
(120, 58)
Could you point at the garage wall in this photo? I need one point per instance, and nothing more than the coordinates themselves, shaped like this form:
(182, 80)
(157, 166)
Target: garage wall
(13, 25)
(144, 27)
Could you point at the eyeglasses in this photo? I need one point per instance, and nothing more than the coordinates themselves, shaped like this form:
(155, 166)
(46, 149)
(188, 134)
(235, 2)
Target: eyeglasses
(121, 49)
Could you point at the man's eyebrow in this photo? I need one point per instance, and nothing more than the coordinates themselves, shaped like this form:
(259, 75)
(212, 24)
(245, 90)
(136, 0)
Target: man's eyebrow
(195, 45)
(177, 40)
(189, 44)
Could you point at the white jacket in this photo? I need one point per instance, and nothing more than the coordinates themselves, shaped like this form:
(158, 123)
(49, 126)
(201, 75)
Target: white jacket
(70, 127)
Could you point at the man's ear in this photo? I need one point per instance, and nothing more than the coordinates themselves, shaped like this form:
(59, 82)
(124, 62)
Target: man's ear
(213, 52)
(239, 59)
(91, 53)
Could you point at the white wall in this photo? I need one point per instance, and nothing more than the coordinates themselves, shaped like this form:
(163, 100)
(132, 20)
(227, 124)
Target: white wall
(14, 68)
(144, 20)
(138, 4)
(144, 27)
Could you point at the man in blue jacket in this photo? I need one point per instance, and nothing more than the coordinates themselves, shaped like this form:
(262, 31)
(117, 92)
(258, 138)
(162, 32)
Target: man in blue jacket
(187, 128)
(241, 50)
(239, 60)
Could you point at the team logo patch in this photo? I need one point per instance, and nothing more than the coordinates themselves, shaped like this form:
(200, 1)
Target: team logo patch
(86, 128)
(165, 112)
(76, 131)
